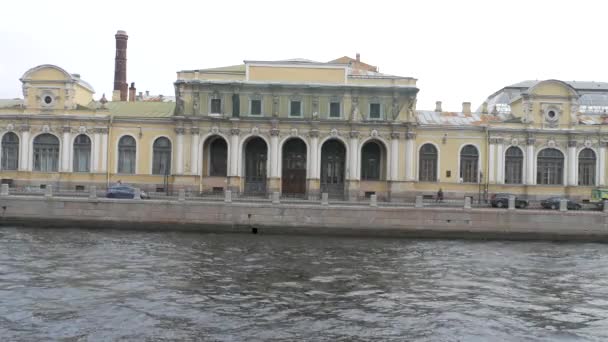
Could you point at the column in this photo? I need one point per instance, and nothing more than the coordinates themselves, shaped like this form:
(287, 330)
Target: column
(179, 160)
(65, 150)
(194, 150)
(410, 156)
(530, 179)
(500, 160)
(24, 164)
(394, 174)
(234, 152)
(274, 153)
(96, 151)
(354, 168)
(602, 164)
(572, 171)
(491, 158)
(103, 167)
(274, 184)
(313, 171)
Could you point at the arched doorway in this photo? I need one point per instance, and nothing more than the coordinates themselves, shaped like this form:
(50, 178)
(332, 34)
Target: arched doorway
(373, 156)
(293, 175)
(333, 158)
(256, 155)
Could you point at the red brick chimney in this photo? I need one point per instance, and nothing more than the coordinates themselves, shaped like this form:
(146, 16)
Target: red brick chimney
(120, 66)
(132, 92)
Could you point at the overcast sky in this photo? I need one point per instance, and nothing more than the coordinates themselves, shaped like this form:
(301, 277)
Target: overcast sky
(458, 50)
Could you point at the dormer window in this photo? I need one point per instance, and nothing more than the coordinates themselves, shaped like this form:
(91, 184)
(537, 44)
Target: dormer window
(216, 106)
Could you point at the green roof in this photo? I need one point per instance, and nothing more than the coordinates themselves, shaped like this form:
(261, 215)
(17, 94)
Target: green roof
(232, 68)
(141, 109)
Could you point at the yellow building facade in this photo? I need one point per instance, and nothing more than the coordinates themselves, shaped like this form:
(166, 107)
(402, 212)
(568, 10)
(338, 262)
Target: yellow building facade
(302, 128)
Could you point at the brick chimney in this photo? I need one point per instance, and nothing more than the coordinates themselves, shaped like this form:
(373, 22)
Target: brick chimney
(120, 67)
(438, 106)
(132, 92)
(466, 107)
(358, 57)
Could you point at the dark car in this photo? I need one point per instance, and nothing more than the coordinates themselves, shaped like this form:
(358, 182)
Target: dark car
(553, 203)
(502, 201)
(124, 191)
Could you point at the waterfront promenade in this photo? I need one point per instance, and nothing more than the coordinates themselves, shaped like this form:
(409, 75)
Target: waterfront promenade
(273, 216)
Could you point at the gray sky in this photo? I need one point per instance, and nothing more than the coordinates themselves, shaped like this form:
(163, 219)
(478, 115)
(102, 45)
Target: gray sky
(458, 50)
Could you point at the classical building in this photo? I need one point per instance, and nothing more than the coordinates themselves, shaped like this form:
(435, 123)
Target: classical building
(301, 127)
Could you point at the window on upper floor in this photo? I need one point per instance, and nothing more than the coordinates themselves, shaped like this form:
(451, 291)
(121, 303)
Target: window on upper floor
(374, 111)
(256, 107)
(295, 108)
(334, 109)
(216, 106)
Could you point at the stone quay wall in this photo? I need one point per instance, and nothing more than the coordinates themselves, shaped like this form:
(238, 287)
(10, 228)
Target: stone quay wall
(322, 218)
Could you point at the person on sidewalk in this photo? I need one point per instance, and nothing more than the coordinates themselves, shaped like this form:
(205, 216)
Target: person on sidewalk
(439, 196)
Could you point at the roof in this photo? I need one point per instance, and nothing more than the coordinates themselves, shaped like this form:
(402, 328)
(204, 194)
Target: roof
(578, 85)
(427, 117)
(141, 109)
(10, 103)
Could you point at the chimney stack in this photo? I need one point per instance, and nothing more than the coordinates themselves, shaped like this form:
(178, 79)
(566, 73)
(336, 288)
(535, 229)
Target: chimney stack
(132, 92)
(358, 57)
(438, 106)
(466, 107)
(120, 67)
(147, 93)
(484, 108)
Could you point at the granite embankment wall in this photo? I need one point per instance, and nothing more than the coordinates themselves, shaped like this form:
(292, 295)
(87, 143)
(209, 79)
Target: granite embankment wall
(281, 218)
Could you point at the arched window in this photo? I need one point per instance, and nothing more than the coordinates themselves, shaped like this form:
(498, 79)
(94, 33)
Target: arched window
(218, 158)
(514, 163)
(371, 157)
(161, 160)
(10, 151)
(586, 167)
(427, 165)
(126, 154)
(82, 153)
(469, 164)
(550, 167)
(46, 153)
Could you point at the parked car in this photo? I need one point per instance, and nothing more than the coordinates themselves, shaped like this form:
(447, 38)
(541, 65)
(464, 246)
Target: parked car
(501, 200)
(124, 191)
(553, 203)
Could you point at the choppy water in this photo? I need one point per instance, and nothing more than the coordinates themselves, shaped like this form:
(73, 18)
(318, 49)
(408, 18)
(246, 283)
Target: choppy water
(77, 285)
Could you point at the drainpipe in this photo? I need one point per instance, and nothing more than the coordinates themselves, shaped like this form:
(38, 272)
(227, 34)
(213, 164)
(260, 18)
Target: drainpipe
(487, 185)
(108, 152)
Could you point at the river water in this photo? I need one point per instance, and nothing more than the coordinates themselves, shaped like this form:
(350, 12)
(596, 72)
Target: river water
(93, 285)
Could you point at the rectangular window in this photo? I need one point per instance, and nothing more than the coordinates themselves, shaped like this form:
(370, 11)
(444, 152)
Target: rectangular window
(216, 106)
(374, 111)
(295, 108)
(334, 109)
(256, 107)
